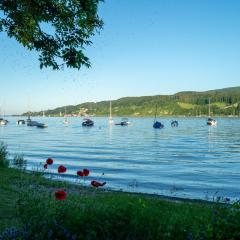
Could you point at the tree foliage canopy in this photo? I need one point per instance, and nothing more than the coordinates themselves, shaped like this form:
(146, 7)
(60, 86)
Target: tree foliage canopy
(59, 30)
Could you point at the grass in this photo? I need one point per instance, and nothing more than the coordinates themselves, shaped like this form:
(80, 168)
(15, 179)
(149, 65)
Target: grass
(28, 198)
(91, 214)
(29, 210)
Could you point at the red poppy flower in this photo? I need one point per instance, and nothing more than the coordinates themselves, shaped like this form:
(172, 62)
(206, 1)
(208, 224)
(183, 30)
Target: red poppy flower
(60, 195)
(80, 173)
(86, 172)
(45, 166)
(97, 184)
(62, 169)
(49, 161)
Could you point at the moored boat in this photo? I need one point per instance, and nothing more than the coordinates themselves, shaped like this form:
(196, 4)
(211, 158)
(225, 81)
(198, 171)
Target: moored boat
(21, 122)
(210, 121)
(110, 119)
(124, 122)
(65, 118)
(65, 121)
(174, 123)
(3, 121)
(157, 124)
(32, 123)
(41, 125)
(87, 122)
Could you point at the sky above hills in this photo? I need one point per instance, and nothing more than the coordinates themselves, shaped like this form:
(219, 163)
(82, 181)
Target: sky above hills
(146, 48)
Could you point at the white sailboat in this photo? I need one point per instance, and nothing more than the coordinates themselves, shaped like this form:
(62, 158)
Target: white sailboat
(65, 119)
(210, 121)
(3, 121)
(110, 119)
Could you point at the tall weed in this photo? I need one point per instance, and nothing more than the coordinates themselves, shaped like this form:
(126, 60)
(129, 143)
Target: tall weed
(4, 162)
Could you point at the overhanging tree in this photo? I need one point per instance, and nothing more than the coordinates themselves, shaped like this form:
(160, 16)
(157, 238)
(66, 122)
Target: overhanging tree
(59, 30)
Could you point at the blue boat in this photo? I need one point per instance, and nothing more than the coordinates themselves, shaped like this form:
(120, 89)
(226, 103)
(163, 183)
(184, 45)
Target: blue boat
(157, 124)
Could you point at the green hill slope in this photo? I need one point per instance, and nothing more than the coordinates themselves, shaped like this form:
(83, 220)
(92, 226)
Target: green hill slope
(223, 102)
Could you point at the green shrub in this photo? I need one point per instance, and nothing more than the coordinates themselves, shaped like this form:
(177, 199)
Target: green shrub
(19, 162)
(225, 222)
(4, 162)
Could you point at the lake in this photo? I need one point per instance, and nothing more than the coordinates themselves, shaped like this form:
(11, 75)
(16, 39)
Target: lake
(191, 161)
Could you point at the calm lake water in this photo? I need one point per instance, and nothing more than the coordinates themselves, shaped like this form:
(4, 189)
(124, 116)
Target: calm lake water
(191, 161)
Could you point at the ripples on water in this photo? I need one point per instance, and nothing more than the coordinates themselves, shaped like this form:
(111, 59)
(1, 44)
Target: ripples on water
(193, 160)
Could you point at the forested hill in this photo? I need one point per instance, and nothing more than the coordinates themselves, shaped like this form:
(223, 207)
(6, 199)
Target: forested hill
(223, 102)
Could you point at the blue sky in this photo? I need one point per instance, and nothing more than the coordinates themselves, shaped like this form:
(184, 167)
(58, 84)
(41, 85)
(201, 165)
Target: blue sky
(147, 47)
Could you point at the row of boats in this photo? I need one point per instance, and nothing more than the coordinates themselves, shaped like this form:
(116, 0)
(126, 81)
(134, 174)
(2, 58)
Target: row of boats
(87, 122)
(125, 122)
(32, 123)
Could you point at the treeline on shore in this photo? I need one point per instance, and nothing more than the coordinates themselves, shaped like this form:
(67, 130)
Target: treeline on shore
(223, 102)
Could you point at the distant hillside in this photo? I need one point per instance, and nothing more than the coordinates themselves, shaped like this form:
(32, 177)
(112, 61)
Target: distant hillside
(223, 102)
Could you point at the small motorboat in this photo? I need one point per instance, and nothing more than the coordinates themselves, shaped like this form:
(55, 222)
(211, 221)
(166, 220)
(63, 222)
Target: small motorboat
(124, 122)
(211, 122)
(174, 123)
(32, 123)
(21, 122)
(3, 121)
(41, 125)
(158, 125)
(87, 122)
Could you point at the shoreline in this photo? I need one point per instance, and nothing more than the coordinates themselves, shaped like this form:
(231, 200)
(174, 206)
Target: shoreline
(142, 194)
(131, 116)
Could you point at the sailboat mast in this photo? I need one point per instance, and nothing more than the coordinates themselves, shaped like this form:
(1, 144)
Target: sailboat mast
(155, 114)
(209, 107)
(110, 120)
(110, 116)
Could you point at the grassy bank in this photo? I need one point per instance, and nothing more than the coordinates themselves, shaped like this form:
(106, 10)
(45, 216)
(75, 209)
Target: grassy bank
(29, 210)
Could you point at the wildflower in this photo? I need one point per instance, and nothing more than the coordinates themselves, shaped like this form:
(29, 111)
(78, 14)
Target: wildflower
(45, 166)
(80, 173)
(60, 195)
(49, 161)
(97, 184)
(62, 169)
(86, 172)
